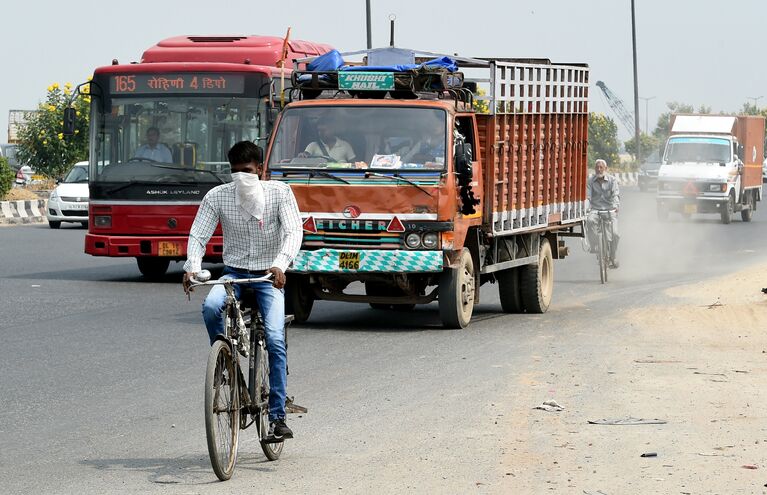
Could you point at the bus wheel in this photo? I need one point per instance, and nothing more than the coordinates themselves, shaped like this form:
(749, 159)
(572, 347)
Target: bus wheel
(151, 267)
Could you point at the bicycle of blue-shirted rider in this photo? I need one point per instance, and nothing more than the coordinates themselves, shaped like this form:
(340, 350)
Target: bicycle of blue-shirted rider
(605, 233)
(231, 402)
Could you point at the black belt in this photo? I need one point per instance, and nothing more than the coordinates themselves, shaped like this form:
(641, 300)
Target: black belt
(249, 272)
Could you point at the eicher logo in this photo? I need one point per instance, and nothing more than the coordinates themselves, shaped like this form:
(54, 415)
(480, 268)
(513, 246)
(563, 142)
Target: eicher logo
(352, 211)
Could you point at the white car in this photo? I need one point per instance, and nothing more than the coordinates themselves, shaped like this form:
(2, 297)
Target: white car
(69, 201)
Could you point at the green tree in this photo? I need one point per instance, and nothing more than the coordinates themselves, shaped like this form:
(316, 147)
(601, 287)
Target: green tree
(663, 127)
(42, 143)
(649, 144)
(6, 177)
(603, 140)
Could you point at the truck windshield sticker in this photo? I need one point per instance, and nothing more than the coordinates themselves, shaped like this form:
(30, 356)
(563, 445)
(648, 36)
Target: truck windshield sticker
(367, 81)
(139, 84)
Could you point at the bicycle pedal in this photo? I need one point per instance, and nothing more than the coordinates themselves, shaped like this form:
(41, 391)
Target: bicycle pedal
(293, 408)
(272, 439)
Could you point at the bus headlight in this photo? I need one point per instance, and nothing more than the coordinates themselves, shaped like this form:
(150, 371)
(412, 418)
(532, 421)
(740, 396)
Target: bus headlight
(430, 240)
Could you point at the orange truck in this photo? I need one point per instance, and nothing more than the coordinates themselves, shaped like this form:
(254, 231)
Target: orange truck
(413, 185)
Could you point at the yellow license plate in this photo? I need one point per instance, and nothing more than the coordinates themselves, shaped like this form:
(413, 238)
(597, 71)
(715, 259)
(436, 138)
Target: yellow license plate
(168, 249)
(348, 260)
(690, 209)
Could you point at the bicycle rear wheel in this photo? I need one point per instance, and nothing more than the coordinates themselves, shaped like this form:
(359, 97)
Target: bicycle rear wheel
(271, 450)
(222, 410)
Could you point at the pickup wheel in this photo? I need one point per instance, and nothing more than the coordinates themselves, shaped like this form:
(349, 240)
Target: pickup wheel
(299, 299)
(728, 209)
(537, 281)
(152, 268)
(457, 292)
(747, 213)
(508, 290)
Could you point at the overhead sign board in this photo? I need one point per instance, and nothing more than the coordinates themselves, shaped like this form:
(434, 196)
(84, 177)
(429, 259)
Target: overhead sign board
(366, 81)
(177, 83)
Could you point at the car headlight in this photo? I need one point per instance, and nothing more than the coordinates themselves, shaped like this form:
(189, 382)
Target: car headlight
(430, 240)
(412, 240)
(53, 195)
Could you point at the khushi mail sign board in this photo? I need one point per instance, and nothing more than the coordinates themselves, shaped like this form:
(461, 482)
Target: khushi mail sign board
(366, 80)
(177, 83)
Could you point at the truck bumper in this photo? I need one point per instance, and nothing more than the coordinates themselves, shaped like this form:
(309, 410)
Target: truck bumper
(367, 261)
(689, 205)
(173, 247)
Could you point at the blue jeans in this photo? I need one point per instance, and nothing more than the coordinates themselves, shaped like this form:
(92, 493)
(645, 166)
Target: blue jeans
(271, 302)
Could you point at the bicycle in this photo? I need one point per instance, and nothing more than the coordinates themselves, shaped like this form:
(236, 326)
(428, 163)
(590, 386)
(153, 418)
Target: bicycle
(231, 402)
(603, 250)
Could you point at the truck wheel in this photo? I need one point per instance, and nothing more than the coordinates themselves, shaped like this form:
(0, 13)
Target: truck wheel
(152, 268)
(456, 293)
(747, 213)
(508, 289)
(536, 282)
(728, 209)
(299, 299)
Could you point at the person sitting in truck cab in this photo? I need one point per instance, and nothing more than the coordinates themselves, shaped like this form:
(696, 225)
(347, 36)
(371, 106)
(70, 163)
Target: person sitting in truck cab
(329, 145)
(603, 194)
(153, 149)
(430, 147)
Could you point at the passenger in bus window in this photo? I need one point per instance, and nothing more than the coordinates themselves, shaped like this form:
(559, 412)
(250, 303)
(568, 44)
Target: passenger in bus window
(153, 149)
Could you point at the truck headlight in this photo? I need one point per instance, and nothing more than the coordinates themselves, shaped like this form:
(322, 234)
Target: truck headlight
(430, 240)
(412, 240)
(716, 187)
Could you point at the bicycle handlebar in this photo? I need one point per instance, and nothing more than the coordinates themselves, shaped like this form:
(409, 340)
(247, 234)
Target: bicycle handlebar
(232, 281)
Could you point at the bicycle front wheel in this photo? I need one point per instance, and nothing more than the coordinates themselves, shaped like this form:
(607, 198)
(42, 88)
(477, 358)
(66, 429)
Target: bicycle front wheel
(271, 449)
(222, 410)
(603, 254)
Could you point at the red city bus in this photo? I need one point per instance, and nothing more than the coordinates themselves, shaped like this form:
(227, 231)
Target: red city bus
(201, 94)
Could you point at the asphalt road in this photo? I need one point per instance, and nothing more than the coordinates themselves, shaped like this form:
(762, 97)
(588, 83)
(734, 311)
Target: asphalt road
(102, 382)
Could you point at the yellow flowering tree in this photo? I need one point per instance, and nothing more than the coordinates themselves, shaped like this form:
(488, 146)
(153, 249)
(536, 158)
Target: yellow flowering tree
(42, 143)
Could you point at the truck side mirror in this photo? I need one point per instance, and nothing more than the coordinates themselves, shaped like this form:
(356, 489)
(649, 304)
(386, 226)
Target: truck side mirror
(69, 121)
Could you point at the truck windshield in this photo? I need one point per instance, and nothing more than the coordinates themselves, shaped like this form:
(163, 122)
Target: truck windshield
(698, 150)
(181, 139)
(361, 137)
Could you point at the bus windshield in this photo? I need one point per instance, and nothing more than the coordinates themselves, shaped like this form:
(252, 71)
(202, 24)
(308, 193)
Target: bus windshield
(698, 150)
(360, 137)
(174, 139)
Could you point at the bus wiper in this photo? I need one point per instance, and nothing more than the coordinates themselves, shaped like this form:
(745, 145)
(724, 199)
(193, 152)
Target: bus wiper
(312, 173)
(397, 177)
(158, 165)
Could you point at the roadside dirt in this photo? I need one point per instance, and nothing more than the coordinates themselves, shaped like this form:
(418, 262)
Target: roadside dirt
(19, 194)
(698, 362)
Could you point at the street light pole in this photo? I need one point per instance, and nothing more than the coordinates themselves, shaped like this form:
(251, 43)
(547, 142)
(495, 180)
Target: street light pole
(367, 15)
(636, 85)
(755, 98)
(646, 115)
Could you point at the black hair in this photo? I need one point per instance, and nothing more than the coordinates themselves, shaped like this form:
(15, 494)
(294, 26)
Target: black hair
(153, 129)
(245, 152)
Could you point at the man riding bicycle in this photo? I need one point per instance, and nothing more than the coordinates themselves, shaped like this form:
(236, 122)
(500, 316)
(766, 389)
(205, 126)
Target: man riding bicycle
(262, 233)
(603, 194)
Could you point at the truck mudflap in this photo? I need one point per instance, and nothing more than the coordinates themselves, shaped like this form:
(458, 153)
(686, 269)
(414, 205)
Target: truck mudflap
(367, 261)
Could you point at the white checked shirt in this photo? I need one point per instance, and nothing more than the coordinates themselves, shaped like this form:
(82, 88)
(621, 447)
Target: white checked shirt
(249, 244)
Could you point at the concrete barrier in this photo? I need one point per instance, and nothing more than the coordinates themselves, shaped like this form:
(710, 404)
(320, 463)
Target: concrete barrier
(29, 211)
(626, 178)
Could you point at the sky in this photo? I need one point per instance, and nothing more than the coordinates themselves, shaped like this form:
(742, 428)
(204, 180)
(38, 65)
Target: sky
(691, 51)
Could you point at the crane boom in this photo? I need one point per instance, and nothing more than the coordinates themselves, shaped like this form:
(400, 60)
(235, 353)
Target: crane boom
(626, 117)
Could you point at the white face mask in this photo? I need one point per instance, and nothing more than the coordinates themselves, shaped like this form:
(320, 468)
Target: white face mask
(248, 195)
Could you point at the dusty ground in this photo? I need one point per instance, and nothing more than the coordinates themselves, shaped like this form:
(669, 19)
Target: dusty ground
(698, 362)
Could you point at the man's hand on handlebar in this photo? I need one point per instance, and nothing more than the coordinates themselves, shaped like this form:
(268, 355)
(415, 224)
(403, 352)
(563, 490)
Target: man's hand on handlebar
(187, 282)
(279, 277)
